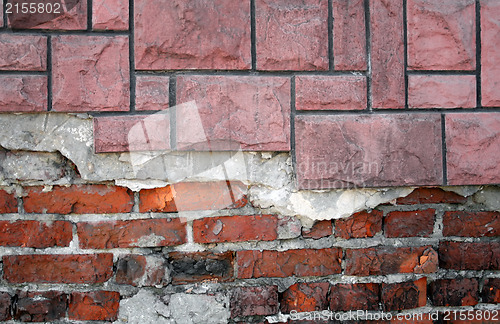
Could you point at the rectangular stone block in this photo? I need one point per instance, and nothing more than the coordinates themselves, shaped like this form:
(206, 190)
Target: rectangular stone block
(110, 14)
(151, 92)
(23, 53)
(490, 55)
(442, 91)
(200, 266)
(23, 93)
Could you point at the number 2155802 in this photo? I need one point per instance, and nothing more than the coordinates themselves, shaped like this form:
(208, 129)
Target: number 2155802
(33, 8)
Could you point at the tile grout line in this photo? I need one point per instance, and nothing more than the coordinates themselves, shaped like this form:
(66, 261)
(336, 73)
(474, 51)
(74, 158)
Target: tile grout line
(369, 103)
(253, 36)
(444, 149)
(478, 55)
(331, 61)
(293, 111)
(405, 59)
(49, 73)
(172, 104)
(89, 15)
(131, 54)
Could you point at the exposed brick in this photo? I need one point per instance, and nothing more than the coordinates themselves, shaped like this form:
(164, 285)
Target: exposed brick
(362, 224)
(201, 266)
(58, 268)
(369, 150)
(472, 142)
(151, 92)
(132, 233)
(442, 91)
(250, 113)
(26, 93)
(431, 196)
(140, 271)
(25, 53)
(5, 303)
(387, 53)
(384, 260)
(471, 224)
(409, 223)
(203, 34)
(94, 306)
(235, 229)
(110, 14)
(8, 202)
(349, 41)
(186, 196)
(491, 291)
(490, 56)
(292, 35)
(35, 234)
(305, 297)
(132, 133)
(361, 296)
(454, 292)
(251, 301)
(330, 92)
(90, 73)
(78, 199)
(300, 263)
(469, 256)
(318, 230)
(40, 306)
(404, 295)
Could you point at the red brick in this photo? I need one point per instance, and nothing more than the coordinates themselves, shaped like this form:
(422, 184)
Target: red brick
(40, 306)
(472, 142)
(404, 295)
(409, 223)
(300, 263)
(141, 271)
(78, 199)
(151, 92)
(442, 91)
(110, 14)
(441, 35)
(235, 229)
(387, 53)
(35, 234)
(318, 230)
(469, 256)
(370, 150)
(132, 133)
(292, 35)
(491, 291)
(132, 233)
(201, 266)
(490, 56)
(471, 224)
(5, 300)
(349, 40)
(431, 196)
(203, 34)
(384, 260)
(90, 73)
(250, 113)
(251, 301)
(94, 306)
(186, 196)
(454, 292)
(58, 268)
(26, 93)
(72, 15)
(361, 296)
(25, 53)
(362, 224)
(305, 297)
(8, 202)
(330, 92)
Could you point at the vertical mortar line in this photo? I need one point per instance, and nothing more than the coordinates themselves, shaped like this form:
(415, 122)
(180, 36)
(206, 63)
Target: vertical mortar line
(330, 36)
(131, 54)
(49, 73)
(172, 102)
(444, 150)
(405, 41)
(368, 56)
(89, 15)
(478, 54)
(4, 13)
(253, 35)
(292, 124)
(135, 208)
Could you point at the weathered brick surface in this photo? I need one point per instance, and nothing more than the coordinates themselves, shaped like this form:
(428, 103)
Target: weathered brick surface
(292, 35)
(250, 301)
(300, 263)
(201, 266)
(141, 271)
(361, 296)
(5, 302)
(490, 56)
(40, 306)
(491, 291)
(442, 91)
(233, 112)
(90, 73)
(370, 150)
(151, 92)
(441, 35)
(110, 14)
(23, 53)
(431, 196)
(94, 306)
(23, 93)
(78, 199)
(455, 292)
(58, 268)
(404, 295)
(469, 256)
(330, 92)
(318, 230)
(409, 223)
(471, 224)
(8, 202)
(305, 297)
(192, 34)
(132, 233)
(35, 234)
(362, 224)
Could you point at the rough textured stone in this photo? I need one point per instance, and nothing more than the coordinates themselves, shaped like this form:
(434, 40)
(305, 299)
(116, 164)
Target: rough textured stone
(8, 202)
(472, 144)
(454, 292)
(409, 223)
(490, 56)
(292, 35)
(349, 35)
(90, 73)
(330, 92)
(40, 306)
(35, 234)
(251, 301)
(362, 224)
(132, 133)
(305, 297)
(387, 53)
(189, 308)
(233, 112)
(153, 309)
(469, 256)
(431, 196)
(370, 150)
(110, 14)
(201, 266)
(441, 35)
(151, 92)
(192, 34)
(5, 299)
(142, 271)
(491, 291)
(25, 53)
(94, 306)
(26, 93)
(471, 224)
(442, 91)
(318, 230)
(361, 296)
(29, 166)
(404, 295)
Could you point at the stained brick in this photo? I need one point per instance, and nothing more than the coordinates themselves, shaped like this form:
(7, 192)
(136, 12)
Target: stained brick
(35, 234)
(251, 301)
(361, 296)
(471, 224)
(454, 292)
(201, 266)
(490, 56)
(151, 92)
(26, 93)
(94, 306)
(491, 291)
(5, 300)
(442, 91)
(40, 306)
(305, 297)
(431, 196)
(8, 202)
(110, 14)
(141, 271)
(362, 224)
(409, 223)
(404, 295)
(318, 230)
(469, 256)
(24, 53)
